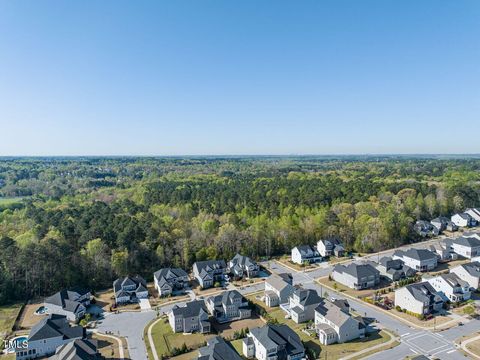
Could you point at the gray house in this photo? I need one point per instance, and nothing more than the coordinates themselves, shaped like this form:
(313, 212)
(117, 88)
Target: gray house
(130, 289)
(335, 324)
(217, 349)
(209, 272)
(193, 317)
(329, 247)
(273, 342)
(47, 335)
(302, 305)
(243, 267)
(278, 288)
(356, 276)
(304, 254)
(394, 269)
(228, 306)
(70, 303)
(169, 280)
(78, 350)
(420, 298)
(443, 223)
(417, 259)
(425, 228)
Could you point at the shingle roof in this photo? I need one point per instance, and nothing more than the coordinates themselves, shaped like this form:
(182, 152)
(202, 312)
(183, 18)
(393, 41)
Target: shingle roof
(308, 296)
(218, 349)
(423, 292)
(55, 326)
(243, 261)
(472, 268)
(209, 265)
(467, 241)
(138, 281)
(77, 350)
(417, 254)
(279, 335)
(169, 273)
(278, 282)
(357, 270)
(305, 250)
(454, 280)
(227, 297)
(191, 309)
(333, 313)
(66, 299)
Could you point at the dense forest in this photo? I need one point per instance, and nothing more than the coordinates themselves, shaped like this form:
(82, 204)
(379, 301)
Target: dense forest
(84, 221)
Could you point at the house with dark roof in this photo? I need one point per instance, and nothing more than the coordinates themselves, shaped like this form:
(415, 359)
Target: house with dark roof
(130, 289)
(393, 269)
(302, 304)
(474, 213)
(228, 306)
(470, 273)
(329, 247)
(443, 223)
(47, 335)
(72, 303)
(273, 342)
(425, 228)
(278, 288)
(209, 272)
(217, 349)
(193, 317)
(78, 350)
(463, 220)
(243, 267)
(417, 259)
(169, 280)
(420, 298)
(443, 250)
(335, 324)
(356, 276)
(467, 246)
(451, 287)
(305, 254)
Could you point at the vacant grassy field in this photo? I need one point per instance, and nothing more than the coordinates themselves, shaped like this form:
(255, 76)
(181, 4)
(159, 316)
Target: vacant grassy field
(7, 201)
(8, 314)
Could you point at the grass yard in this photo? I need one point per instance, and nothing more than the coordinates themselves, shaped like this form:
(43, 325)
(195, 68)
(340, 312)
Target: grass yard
(8, 314)
(285, 260)
(384, 284)
(334, 351)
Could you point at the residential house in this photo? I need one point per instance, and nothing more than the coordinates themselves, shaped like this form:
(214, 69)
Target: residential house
(273, 342)
(470, 273)
(474, 213)
(443, 250)
(329, 247)
(78, 350)
(217, 349)
(394, 269)
(417, 259)
(443, 223)
(425, 228)
(193, 317)
(356, 276)
(228, 306)
(463, 220)
(302, 304)
(278, 288)
(130, 289)
(467, 247)
(168, 280)
(47, 335)
(451, 287)
(305, 254)
(209, 272)
(420, 298)
(335, 324)
(71, 303)
(243, 267)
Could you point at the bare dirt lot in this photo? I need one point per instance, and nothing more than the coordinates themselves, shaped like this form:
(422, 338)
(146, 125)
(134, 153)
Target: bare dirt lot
(28, 317)
(227, 330)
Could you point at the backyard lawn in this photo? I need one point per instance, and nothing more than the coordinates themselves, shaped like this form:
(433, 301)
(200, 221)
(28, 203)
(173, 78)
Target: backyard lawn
(8, 314)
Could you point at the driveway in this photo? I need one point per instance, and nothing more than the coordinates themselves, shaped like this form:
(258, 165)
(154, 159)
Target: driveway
(145, 304)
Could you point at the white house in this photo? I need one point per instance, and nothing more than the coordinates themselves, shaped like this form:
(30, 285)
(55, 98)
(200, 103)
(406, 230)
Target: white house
(47, 335)
(243, 267)
(193, 317)
(335, 324)
(305, 254)
(451, 287)
(130, 289)
(228, 306)
(467, 247)
(420, 298)
(272, 342)
(463, 220)
(417, 259)
(209, 272)
(329, 247)
(356, 276)
(278, 288)
(168, 280)
(470, 273)
(302, 304)
(474, 213)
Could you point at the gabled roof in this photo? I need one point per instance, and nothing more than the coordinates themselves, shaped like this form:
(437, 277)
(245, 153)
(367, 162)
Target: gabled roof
(274, 336)
(357, 270)
(333, 313)
(226, 298)
(67, 299)
(243, 261)
(424, 292)
(467, 241)
(209, 265)
(472, 268)
(218, 349)
(138, 281)
(453, 280)
(306, 250)
(77, 350)
(417, 254)
(191, 309)
(169, 273)
(55, 326)
(278, 282)
(308, 296)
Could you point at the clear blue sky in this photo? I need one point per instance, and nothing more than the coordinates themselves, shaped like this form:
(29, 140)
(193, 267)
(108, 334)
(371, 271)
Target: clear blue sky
(239, 77)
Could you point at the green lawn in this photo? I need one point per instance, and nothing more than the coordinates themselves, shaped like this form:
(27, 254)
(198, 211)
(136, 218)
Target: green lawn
(8, 314)
(7, 201)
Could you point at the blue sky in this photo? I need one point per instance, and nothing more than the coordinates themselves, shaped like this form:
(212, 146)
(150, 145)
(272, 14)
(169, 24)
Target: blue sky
(239, 77)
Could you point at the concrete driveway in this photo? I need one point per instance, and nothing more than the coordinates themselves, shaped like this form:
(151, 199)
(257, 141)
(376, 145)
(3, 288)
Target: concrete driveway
(145, 305)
